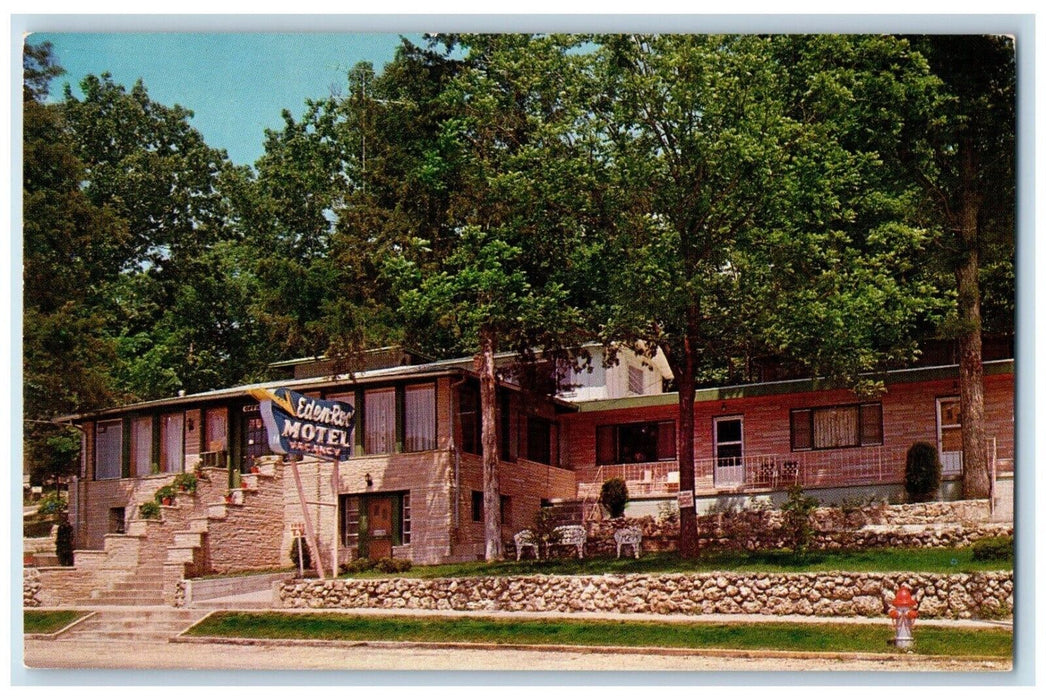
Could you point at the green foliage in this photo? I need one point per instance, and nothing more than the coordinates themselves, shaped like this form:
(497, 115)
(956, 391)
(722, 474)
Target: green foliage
(994, 549)
(922, 472)
(49, 621)
(838, 636)
(545, 531)
(63, 545)
(798, 510)
(186, 482)
(165, 491)
(358, 565)
(387, 565)
(613, 495)
(150, 510)
(306, 557)
(52, 503)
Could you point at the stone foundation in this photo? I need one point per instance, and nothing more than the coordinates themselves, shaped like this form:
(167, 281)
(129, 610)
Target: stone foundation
(940, 596)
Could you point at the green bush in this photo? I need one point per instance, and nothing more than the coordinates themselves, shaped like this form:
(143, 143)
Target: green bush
(798, 511)
(306, 558)
(392, 566)
(357, 565)
(993, 549)
(922, 472)
(186, 482)
(63, 545)
(52, 504)
(614, 495)
(167, 491)
(150, 510)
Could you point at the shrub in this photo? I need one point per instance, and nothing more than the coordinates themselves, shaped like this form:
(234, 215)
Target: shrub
(63, 545)
(922, 472)
(52, 504)
(614, 495)
(163, 492)
(306, 558)
(186, 481)
(357, 565)
(798, 518)
(993, 549)
(392, 566)
(149, 510)
(545, 531)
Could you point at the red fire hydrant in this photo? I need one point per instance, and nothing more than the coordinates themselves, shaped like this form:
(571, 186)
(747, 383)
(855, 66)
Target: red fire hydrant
(903, 613)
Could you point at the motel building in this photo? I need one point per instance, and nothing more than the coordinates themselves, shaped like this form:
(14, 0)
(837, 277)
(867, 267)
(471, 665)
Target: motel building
(411, 485)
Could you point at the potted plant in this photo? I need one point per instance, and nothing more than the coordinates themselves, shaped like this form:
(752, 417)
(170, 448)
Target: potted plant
(255, 469)
(229, 498)
(166, 494)
(149, 510)
(186, 482)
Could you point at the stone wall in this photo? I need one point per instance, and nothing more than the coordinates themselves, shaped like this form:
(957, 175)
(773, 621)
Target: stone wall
(940, 596)
(954, 524)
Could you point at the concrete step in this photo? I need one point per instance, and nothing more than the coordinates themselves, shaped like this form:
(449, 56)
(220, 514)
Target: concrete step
(188, 539)
(181, 555)
(130, 623)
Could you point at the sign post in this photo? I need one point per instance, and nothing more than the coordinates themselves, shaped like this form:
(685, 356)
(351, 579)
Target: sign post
(299, 425)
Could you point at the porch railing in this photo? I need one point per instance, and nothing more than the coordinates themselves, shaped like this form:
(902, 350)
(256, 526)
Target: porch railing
(815, 468)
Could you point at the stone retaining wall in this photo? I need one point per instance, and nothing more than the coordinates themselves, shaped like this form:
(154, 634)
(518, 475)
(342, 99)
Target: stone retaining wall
(955, 524)
(831, 594)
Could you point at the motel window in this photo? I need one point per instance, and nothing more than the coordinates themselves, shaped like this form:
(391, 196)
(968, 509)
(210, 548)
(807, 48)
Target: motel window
(379, 421)
(832, 427)
(634, 443)
(635, 380)
(539, 440)
(419, 418)
(216, 429)
(509, 428)
(405, 524)
(468, 418)
(141, 446)
(350, 521)
(108, 449)
(477, 506)
(172, 441)
(950, 424)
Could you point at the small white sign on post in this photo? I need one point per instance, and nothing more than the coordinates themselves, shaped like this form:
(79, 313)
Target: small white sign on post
(686, 499)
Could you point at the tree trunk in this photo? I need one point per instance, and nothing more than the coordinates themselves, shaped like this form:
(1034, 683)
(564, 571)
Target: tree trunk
(684, 372)
(975, 476)
(491, 488)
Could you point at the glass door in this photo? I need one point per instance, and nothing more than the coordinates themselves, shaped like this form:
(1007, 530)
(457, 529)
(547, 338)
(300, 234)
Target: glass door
(729, 451)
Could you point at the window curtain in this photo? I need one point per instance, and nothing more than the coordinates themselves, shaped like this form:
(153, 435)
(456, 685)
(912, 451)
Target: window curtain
(142, 446)
(419, 408)
(108, 450)
(172, 437)
(836, 427)
(379, 420)
(217, 429)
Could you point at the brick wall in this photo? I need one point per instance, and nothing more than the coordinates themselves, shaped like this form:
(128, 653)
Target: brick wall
(909, 415)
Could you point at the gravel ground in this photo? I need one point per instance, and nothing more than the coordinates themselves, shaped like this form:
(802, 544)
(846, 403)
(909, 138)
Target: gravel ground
(41, 654)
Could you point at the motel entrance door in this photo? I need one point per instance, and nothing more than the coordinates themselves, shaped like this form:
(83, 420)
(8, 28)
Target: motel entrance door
(379, 526)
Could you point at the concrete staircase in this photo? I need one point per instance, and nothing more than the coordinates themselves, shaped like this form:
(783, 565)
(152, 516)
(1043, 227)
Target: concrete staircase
(133, 624)
(144, 566)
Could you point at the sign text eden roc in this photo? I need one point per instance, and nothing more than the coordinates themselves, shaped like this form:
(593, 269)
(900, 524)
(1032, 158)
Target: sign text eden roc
(301, 425)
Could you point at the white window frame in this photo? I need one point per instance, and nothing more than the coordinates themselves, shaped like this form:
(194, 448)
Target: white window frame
(728, 474)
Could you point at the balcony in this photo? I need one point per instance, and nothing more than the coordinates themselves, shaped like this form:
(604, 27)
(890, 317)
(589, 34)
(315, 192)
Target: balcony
(859, 466)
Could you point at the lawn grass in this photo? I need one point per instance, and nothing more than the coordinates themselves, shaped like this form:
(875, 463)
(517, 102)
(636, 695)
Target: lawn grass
(928, 560)
(832, 637)
(49, 621)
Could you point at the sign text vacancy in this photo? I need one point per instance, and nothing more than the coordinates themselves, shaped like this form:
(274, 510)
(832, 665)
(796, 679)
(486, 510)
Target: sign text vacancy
(300, 425)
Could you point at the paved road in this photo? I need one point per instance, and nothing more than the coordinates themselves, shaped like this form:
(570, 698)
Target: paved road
(274, 656)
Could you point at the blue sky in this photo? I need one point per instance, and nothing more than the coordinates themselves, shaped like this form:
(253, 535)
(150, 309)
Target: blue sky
(235, 84)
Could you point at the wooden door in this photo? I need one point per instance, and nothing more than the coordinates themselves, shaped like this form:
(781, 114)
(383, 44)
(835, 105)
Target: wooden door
(379, 527)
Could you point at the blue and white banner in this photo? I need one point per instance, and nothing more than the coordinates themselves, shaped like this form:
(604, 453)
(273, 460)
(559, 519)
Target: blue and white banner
(299, 425)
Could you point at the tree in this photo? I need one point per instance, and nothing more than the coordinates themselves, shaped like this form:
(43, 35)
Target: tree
(70, 252)
(500, 285)
(747, 225)
(965, 161)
